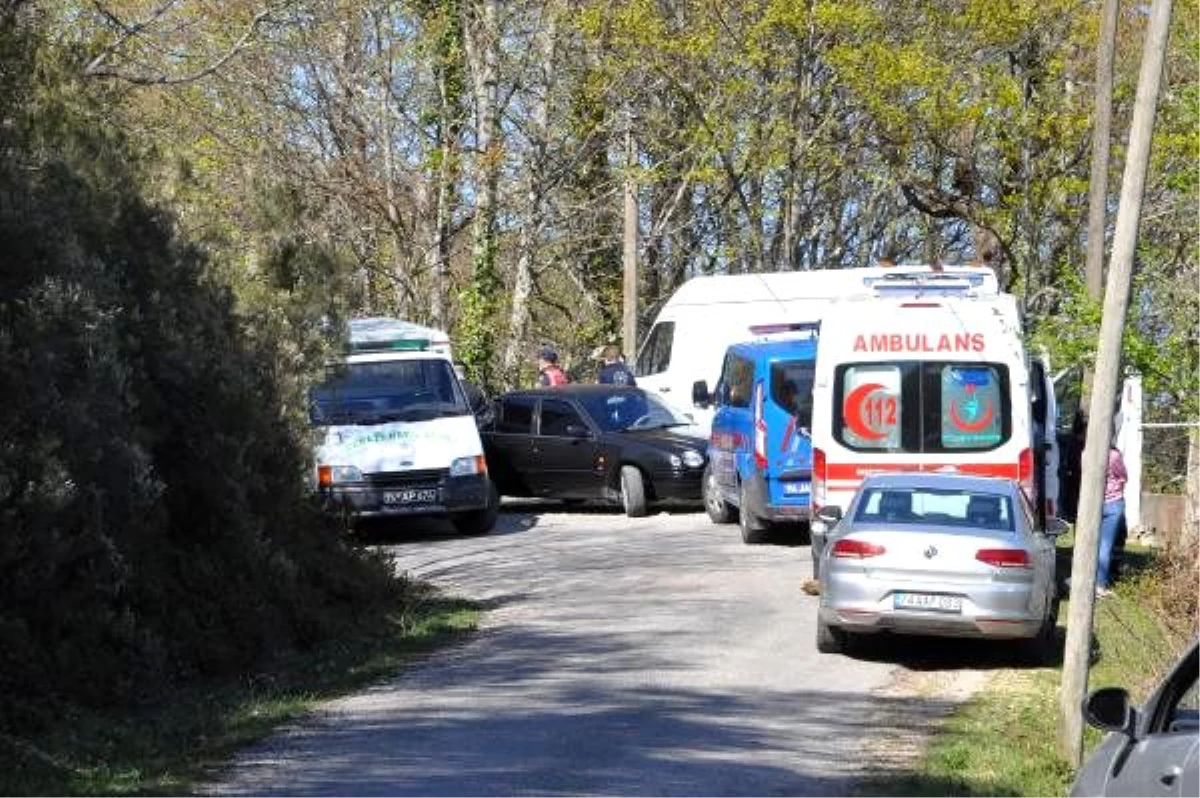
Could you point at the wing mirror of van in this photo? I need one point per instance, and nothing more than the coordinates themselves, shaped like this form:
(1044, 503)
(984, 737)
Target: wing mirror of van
(1056, 527)
(700, 395)
(830, 514)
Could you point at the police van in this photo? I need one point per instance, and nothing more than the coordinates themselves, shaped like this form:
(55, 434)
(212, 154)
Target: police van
(395, 433)
(927, 371)
(760, 447)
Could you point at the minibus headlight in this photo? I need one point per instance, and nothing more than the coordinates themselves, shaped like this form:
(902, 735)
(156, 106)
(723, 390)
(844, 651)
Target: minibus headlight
(465, 466)
(337, 474)
(693, 458)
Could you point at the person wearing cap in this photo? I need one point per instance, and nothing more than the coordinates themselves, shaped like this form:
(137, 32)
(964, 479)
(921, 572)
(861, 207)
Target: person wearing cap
(549, 372)
(614, 371)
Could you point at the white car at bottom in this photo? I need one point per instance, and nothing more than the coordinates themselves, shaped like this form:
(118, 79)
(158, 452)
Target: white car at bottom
(936, 554)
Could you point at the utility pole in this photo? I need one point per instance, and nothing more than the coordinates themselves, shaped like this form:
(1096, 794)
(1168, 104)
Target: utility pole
(629, 249)
(1101, 146)
(1104, 391)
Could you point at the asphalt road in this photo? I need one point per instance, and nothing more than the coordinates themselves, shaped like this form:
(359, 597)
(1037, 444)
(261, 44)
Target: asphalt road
(618, 656)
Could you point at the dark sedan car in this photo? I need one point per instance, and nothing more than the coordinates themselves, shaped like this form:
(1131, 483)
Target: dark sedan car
(588, 442)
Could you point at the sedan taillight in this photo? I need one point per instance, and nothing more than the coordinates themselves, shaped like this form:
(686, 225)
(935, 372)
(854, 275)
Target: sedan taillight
(856, 549)
(1004, 558)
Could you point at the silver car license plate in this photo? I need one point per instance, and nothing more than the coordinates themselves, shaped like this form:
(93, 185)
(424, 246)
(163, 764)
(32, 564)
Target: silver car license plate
(411, 496)
(927, 601)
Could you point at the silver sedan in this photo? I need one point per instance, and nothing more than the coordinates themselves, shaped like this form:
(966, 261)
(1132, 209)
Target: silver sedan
(936, 554)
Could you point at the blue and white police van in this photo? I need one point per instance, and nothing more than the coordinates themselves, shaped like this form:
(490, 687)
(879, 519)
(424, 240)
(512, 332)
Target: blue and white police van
(395, 433)
(760, 448)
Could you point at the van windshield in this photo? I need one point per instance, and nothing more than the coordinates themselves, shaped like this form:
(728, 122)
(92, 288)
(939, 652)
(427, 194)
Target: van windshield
(791, 389)
(382, 391)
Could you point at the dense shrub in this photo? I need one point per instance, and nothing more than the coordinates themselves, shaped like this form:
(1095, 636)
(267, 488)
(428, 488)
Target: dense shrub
(154, 526)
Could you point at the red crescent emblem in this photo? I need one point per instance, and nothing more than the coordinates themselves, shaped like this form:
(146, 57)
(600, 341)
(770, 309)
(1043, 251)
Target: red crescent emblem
(971, 426)
(852, 411)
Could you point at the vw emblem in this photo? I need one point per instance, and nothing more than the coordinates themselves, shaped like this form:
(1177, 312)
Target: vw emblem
(931, 552)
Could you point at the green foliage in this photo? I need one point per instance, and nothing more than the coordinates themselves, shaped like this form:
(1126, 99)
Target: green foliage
(156, 527)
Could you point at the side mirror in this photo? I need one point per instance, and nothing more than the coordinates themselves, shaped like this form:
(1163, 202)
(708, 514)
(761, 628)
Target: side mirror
(1109, 709)
(830, 514)
(1056, 526)
(578, 431)
(700, 395)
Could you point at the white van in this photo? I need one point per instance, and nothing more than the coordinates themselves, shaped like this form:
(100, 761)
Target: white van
(688, 339)
(395, 433)
(928, 372)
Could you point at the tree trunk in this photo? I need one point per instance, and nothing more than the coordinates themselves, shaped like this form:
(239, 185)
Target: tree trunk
(528, 243)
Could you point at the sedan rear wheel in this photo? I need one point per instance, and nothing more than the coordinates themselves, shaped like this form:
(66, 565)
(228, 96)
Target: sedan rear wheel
(1042, 648)
(830, 639)
(754, 529)
(719, 510)
(633, 491)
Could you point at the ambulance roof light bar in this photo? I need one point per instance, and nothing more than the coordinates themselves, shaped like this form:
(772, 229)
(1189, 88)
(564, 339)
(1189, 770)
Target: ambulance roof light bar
(940, 280)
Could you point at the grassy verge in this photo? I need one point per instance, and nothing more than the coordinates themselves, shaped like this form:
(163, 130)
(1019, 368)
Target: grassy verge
(1004, 741)
(165, 749)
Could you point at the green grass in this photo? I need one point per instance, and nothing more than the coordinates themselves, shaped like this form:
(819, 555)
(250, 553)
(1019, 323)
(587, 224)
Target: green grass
(167, 748)
(1004, 741)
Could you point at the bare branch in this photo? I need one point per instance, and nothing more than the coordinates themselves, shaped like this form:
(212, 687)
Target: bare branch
(98, 68)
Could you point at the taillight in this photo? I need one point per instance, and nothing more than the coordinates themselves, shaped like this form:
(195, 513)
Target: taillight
(857, 549)
(324, 476)
(818, 479)
(1025, 472)
(1004, 558)
(760, 427)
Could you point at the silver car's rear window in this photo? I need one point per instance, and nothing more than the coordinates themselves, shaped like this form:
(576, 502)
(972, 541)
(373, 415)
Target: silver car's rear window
(927, 506)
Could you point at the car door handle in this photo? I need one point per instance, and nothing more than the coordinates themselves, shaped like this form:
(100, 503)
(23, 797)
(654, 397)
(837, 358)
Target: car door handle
(665, 389)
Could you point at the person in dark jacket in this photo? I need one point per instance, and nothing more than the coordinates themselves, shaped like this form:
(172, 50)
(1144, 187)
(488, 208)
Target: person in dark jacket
(614, 371)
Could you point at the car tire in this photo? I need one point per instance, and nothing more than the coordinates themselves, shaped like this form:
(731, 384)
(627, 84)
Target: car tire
(479, 522)
(830, 639)
(754, 529)
(633, 491)
(719, 510)
(1042, 649)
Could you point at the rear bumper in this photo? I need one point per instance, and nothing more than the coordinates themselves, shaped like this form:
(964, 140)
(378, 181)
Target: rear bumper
(440, 494)
(998, 611)
(768, 501)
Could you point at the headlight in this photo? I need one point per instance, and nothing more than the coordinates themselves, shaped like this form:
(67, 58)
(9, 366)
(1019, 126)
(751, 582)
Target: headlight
(465, 466)
(334, 474)
(693, 458)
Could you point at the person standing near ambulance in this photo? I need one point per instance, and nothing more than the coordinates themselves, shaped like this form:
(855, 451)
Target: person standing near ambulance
(549, 372)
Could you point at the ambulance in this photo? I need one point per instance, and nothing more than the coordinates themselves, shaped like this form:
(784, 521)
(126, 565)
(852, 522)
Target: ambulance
(395, 435)
(927, 371)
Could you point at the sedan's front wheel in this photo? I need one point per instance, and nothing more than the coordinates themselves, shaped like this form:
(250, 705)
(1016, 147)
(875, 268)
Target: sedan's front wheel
(633, 491)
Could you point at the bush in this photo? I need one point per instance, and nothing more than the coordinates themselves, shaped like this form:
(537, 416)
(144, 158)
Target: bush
(155, 526)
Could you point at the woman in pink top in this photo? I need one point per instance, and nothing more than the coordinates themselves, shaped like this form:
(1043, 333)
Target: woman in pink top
(1110, 518)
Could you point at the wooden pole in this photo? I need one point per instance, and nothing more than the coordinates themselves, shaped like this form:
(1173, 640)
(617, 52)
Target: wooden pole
(1104, 391)
(1098, 187)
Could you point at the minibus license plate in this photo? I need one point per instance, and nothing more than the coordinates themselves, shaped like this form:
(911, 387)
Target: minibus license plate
(795, 488)
(927, 601)
(412, 496)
